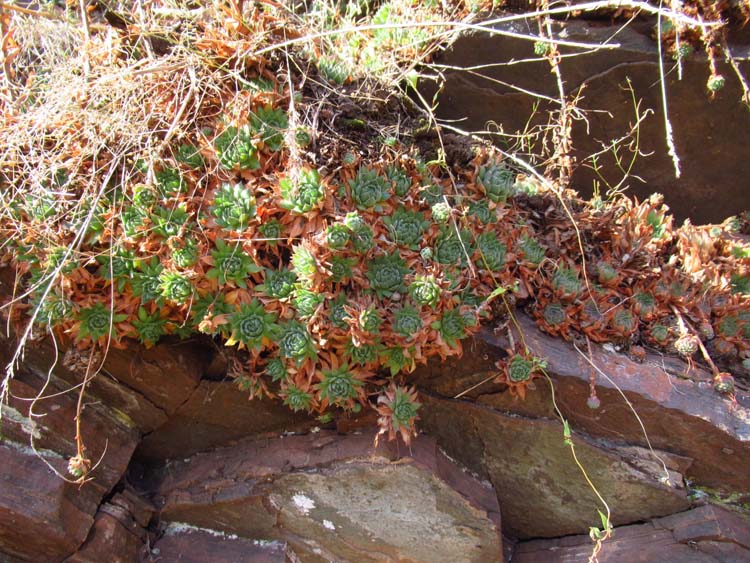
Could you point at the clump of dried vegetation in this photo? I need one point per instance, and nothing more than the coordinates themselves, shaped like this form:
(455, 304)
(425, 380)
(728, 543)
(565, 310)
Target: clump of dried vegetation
(248, 172)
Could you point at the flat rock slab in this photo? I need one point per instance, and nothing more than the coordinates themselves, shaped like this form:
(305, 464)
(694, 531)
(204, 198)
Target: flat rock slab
(541, 490)
(338, 498)
(216, 414)
(188, 544)
(706, 534)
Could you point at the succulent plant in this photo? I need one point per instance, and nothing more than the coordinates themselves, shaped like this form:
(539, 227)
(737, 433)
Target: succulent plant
(660, 333)
(644, 305)
(208, 306)
(296, 343)
(481, 210)
(686, 345)
(406, 227)
(184, 252)
(338, 313)
(399, 179)
(303, 194)
(450, 249)
(234, 206)
(362, 237)
(297, 399)
(234, 148)
(270, 230)
(497, 181)
(624, 322)
(729, 327)
(252, 326)
(369, 319)
(118, 266)
(269, 123)
(740, 283)
(364, 354)
(337, 236)
(520, 368)
(276, 369)
(724, 383)
(431, 194)
(54, 309)
(170, 222)
(452, 326)
(398, 408)
(566, 283)
(190, 155)
(144, 197)
(396, 360)
(147, 282)
(176, 287)
(441, 212)
(715, 83)
(306, 302)
(278, 284)
(490, 251)
(149, 327)
(341, 268)
(333, 70)
(606, 273)
(406, 321)
(169, 181)
(304, 264)
(231, 264)
(96, 322)
(425, 291)
(132, 219)
(303, 137)
(368, 189)
(339, 386)
(554, 314)
(532, 251)
(386, 274)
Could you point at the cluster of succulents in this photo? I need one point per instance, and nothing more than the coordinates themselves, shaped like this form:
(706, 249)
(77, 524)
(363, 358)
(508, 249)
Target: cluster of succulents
(331, 281)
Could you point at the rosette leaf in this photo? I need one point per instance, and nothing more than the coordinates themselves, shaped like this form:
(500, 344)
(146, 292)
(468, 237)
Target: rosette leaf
(338, 236)
(491, 252)
(497, 182)
(520, 369)
(304, 194)
(425, 291)
(170, 182)
(297, 399)
(554, 314)
(176, 287)
(396, 360)
(333, 70)
(304, 264)
(306, 302)
(338, 313)
(361, 233)
(369, 320)
(450, 249)
(406, 228)
(252, 326)
(234, 207)
(147, 283)
(566, 283)
(481, 210)
(364, 354)
(341, 268)
(184, 253)
(144, 197)
(97, 322)
(296, 343)
(278, 284)
(368, 189)
(386, 274)
(407, 322)
(269, 124)
(441, 212)
(119, 267)
(231, 264)
(207, 307)
(170, 222)
(190, 155)
(132, 219)
(452, 326)
(339, 386)
(270, 231)
(276, 369)
(234, 148)
(532, 251)
(397, 408)
(149, 328)
(399, 179)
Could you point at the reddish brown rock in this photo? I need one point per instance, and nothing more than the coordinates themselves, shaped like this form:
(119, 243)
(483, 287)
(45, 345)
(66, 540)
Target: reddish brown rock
(216, 414)
(706, 534)
(189, 544)
(119, 531)
(42, 518)
(336, 497)
(707, 131)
